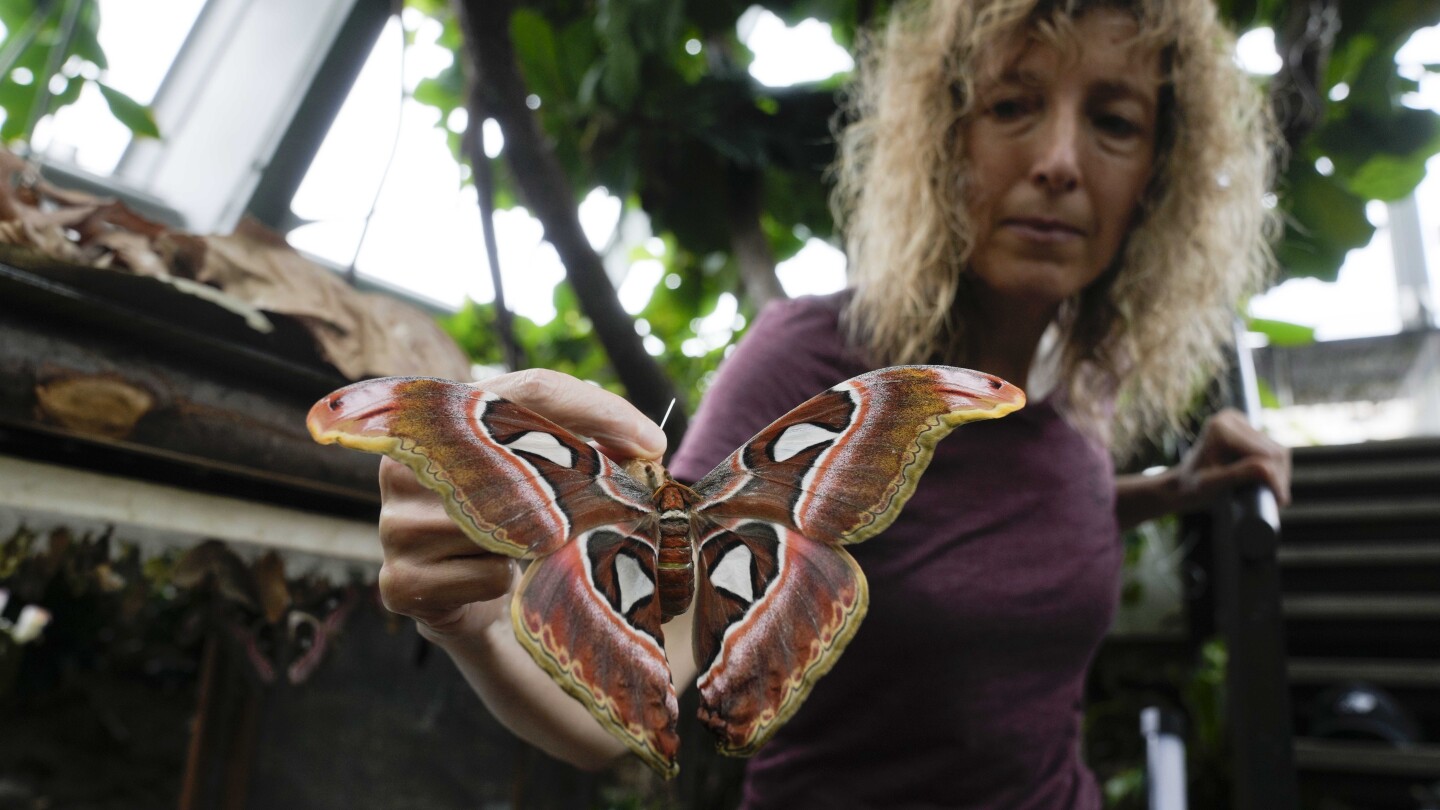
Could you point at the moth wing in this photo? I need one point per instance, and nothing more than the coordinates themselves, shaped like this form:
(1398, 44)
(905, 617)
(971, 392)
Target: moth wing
(589, 614)
(773, 611)
(519, 485)
(515, 482)
(839, 468)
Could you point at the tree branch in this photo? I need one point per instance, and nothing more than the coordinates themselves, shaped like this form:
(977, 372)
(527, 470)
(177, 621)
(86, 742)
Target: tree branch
(547, 192)
(485, 193)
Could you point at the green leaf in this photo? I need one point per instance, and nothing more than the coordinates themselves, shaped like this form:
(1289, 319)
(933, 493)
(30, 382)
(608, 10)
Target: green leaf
(621, 81)
(139, 118)
(578, 49)
(17, 100)
(1281, 333)
(1348, 58)
(1268, 398)
(69, 95)
(86, 43)
(13, 14)
(1388, 177)
(1325, 221)
(451, 36)
(586, 95)
(445, 91)
(439, 9)
(535, 48)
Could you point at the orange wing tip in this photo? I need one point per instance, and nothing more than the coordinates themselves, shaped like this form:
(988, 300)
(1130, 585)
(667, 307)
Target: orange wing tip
(359, 415)
(975, 395)
(320, 421)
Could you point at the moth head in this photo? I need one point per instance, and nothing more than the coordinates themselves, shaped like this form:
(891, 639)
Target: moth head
(647, 471)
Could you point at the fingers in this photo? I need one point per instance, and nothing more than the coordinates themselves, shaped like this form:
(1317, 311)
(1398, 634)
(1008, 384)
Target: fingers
(432, 571)
(1230, 452)
(1252, 470)
(586, 409)
(438, 592)
(436, 574)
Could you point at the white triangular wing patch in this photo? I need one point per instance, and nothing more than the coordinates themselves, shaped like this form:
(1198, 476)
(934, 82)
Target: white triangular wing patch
(634, 584)
(798, 437)
(546, 446)
(732, 573)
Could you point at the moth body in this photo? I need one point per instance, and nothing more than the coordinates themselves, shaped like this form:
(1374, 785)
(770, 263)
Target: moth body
(676, 563)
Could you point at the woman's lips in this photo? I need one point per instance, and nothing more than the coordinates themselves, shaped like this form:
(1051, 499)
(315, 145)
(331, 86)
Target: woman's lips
(1039, 229)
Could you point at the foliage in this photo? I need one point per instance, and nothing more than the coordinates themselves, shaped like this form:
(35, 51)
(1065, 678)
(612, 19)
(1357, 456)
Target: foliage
(1281, 333)
(97, 709)
(1377, 147)
(567, 344)
(651, 100)
(633, 105)
(1192, 682)
(65, 73)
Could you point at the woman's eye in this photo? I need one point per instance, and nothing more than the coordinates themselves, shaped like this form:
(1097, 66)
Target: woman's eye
(1008, 109)
(1117, 125)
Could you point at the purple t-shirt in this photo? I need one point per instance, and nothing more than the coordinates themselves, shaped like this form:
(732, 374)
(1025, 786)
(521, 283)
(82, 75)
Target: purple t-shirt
(988, 597)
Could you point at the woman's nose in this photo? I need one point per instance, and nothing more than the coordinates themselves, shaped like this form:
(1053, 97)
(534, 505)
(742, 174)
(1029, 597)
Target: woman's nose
(1057, 159)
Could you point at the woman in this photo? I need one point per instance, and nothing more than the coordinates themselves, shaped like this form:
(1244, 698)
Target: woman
(1066, 196)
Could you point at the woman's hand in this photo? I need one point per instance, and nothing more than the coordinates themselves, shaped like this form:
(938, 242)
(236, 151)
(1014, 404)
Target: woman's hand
(1228, 453)
(432, 571)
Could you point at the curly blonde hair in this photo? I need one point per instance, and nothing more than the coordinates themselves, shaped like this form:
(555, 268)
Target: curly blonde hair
(1136, 345)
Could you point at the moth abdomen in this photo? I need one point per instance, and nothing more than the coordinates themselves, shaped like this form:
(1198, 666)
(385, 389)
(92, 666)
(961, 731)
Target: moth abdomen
(676, 566)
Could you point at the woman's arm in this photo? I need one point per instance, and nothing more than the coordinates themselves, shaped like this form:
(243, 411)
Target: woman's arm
(1229, 452)
(459, 594)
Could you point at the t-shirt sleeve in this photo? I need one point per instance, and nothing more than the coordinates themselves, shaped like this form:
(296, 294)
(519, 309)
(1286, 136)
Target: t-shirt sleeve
(775, 367)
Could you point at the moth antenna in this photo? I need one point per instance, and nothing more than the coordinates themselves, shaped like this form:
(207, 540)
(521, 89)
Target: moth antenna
(666, 417)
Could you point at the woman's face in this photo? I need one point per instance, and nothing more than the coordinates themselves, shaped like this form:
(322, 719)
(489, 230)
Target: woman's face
(1059, 151)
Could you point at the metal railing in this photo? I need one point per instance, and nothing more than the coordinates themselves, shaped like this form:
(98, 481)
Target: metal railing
(1244, 576)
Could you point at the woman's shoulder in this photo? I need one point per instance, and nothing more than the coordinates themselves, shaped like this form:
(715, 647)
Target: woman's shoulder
(795, 349)
(797, 340)
(816, 315)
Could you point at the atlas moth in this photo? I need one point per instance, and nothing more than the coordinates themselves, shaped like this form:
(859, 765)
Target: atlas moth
(619, 548)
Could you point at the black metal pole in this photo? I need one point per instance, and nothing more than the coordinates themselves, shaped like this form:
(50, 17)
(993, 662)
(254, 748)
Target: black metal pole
(1246, 532)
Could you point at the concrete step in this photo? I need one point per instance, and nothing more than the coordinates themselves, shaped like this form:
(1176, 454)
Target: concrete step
(1353, 511)
(1422, 447)
(1362, 638)
(1373, 478)
(1415, 576)
(1385, 673)
(1350, 756)
(1346, 555)
(1401, 607)
(1352, 520)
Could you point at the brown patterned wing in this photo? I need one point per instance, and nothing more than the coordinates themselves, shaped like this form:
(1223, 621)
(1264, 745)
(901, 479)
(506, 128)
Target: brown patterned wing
(516, 483)
(773, 611)
(590, 615)
(777, 597)
(839, 467)
(519, 485)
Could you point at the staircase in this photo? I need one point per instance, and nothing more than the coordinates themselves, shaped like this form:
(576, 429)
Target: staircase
(1360, 563)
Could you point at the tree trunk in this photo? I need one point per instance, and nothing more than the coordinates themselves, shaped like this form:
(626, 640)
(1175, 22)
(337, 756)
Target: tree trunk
(546, 191)
(748, 243)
